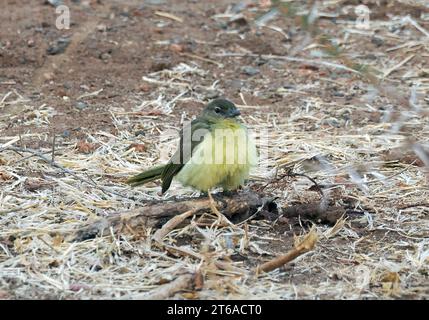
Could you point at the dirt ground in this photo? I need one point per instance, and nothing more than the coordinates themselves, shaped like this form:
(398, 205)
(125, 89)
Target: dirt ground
(111, 102)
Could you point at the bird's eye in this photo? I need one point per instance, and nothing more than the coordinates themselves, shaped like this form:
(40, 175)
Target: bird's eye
(217, 109)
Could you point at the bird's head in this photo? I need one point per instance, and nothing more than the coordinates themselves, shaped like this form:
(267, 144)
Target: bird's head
(221, 108)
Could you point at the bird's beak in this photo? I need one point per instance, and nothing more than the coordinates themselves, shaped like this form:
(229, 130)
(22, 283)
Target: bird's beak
(235, 113)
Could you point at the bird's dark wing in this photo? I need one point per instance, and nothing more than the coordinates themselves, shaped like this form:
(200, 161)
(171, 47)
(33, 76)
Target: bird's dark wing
(199, 127)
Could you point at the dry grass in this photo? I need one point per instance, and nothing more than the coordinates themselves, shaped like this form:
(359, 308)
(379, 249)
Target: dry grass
(381, 253)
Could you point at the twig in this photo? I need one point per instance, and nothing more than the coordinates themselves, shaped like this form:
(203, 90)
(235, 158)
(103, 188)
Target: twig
(292, 174)
(89, 94)
(184, 282)
(171, 224)
(416, 25)
(190, 55)
(304, 246)
(400, 64)
(169, 16)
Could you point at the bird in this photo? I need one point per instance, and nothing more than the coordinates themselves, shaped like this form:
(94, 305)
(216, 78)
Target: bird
(215, 150)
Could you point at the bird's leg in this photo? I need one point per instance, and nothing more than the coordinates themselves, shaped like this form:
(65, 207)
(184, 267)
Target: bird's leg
(221, 220)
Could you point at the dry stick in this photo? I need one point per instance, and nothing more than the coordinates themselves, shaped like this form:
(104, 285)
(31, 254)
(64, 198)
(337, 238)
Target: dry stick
(292, 174)
(239, 207)
(304, 246)
(184, 282)
(397, 66)
(183, 251)
(171, 224)
(193, 56)
(416, 25)
(169, 16)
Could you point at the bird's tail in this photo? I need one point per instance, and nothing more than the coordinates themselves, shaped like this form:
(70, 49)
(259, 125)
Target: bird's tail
(146, 176)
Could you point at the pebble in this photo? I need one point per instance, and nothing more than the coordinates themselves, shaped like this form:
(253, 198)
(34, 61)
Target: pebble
(66, 134)
(377, 41)
(105, 56)
(59, 47)
(81, 105)
(48, 75)
(249, 70)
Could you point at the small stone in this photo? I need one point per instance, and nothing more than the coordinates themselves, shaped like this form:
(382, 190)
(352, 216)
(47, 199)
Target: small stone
(101, 27)
(105, 56)
(48, 75)
(145, 87)
(81, 105)
(176, 47)
(138, 147)
(377, 41)
(30, 43)
(66, 134)
(85, 147)
(250, 71)
(59, 47)
(140, 133)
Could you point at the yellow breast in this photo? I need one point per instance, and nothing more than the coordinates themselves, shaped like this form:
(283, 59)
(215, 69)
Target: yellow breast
(224, 158)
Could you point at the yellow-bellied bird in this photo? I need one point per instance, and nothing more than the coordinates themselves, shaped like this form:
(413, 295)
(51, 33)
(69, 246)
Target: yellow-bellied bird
(215, 150)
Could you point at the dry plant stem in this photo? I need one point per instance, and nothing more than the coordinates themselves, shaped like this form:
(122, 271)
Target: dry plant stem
(183, 282)
(181, 251)
(193, 56)
(169, 16)
(171, 224)
(304, 246)
(292, 174)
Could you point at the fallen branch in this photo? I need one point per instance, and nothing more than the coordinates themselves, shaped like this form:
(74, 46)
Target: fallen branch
(236, 207)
